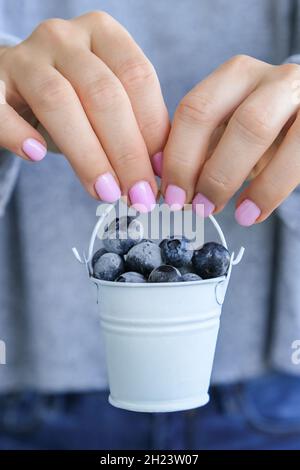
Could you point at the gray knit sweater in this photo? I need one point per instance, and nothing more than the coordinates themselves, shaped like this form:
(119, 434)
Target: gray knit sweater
(48, 313)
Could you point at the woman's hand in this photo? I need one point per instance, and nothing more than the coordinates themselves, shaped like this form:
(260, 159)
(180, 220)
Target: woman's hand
(241, 120)
(98, 97)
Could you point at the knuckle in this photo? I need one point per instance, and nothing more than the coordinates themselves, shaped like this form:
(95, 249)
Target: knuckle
(290, 72)
(55, 29)
(52, 93)
(17, 56)
(100, 17)
(19, 51)
(178, 162)
(253, 125)
(136, 72)
(151, 127)
(102, 94)
(241, 60)
(196, 109)
(219, 183)
(124, 159)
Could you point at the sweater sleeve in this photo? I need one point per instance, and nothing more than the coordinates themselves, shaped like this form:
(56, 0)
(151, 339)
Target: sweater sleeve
(9, 163)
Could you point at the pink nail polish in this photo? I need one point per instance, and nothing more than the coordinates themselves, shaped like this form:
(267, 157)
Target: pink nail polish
(107, 188)
(202, 205)
(175, 197)
(142, 197)
(247, 213)
(34, 149)
(157, 163)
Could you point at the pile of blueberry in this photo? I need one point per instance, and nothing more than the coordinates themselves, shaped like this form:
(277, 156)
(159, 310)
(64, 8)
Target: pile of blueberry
(127, 257)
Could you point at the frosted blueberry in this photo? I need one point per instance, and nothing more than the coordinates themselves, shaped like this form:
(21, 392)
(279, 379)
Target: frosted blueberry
(190, 277)
(131, 276)
(212, 260)
(143, 258)
(97, 255)
(109, 266)
(122, 234)
(187, 268)
(176, 251)
(165, 273)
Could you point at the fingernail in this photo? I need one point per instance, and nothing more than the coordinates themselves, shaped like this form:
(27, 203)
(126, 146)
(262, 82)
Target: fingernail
(175, 197)
(157, 163)
(142, 197)
(34, 149)
(247, 213)
(107, 188)
(202, 205)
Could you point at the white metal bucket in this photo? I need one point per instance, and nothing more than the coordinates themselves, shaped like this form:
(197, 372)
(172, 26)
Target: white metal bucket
(160, 339)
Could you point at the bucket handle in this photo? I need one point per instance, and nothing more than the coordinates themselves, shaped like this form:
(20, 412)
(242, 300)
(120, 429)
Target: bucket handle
(86, 259)
(234, 260)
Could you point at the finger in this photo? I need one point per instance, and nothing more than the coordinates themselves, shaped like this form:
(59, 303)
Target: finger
(135, 72)
(19, 136)
(268, 155)
(252, 129)
(109, 111)
(265, 159)
(56, 105)
(276, 181)
(199, 113)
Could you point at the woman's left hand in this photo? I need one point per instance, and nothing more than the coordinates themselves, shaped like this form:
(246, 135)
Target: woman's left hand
(241, 121)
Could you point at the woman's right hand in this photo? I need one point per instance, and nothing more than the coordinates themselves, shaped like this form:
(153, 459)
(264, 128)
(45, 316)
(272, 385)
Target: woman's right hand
(99, 99)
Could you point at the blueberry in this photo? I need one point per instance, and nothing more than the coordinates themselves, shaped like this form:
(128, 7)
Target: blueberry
(176, 252)
(122, 234)
(109, 266)
(187, 268)
(165, 273)
(97, 255)
(143, 258)
(131, 276)
(190, 277)
(212, 260)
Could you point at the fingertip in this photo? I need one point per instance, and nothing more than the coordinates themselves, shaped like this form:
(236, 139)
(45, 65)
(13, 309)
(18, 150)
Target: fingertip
(34, 149)
(107, 188)
(247, 213)
(206, 206)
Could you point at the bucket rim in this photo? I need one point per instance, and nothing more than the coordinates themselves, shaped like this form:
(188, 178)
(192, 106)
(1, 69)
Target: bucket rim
(213, 280)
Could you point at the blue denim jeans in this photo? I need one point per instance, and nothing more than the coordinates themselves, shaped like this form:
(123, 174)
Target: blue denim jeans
(260, 414)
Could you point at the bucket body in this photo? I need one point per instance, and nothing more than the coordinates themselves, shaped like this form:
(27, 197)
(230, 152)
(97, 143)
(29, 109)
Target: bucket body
(160, 341)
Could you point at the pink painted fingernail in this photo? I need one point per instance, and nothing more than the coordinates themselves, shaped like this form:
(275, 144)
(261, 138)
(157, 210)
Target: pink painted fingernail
(157, 163)
(202, 205)
(107, 188)
(175, 197)
(142, 197)
(34, 149)
(247, 213)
